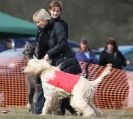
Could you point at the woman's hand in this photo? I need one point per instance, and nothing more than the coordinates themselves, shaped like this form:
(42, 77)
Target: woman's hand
(46, 57)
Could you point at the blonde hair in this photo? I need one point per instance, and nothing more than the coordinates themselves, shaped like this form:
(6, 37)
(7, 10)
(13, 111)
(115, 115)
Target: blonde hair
(55, 3)
(41, 14)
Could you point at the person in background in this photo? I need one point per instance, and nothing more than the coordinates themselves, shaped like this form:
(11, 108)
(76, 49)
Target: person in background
(112, 55)
(6, 44)
(85, 54)
(10, 44)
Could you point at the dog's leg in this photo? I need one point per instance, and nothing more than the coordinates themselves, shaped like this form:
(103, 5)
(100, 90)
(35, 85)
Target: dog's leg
(51, 104)
(89, 100)
(82, 93)
(47, 107)
(87, 111)
(55, 104)
(31, 92)
(88, 96)
(98, 112)
(81, 105)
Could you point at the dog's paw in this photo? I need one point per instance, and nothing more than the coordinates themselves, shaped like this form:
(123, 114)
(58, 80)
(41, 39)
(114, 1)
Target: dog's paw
(42, 114)
(28, 107)
(78, 113)
(99, 113)
(68, 113)
(56, 113)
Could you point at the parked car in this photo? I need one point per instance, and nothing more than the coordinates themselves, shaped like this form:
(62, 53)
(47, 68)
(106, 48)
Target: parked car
(10, 59)
(127, 51)
(9, 43)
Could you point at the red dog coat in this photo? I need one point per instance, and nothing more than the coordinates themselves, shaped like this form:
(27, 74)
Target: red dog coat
(64, 80)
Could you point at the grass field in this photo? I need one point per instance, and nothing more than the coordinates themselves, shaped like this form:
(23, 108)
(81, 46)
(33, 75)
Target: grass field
(24, 114)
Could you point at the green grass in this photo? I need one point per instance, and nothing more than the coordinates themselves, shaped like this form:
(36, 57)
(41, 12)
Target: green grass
(24, 114)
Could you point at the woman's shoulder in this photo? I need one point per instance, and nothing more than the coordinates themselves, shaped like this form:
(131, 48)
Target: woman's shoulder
(58, 26)
(79, 52)
(64, 23)
(119, 53)
(79, 55)
(91, 52)
(103, 51)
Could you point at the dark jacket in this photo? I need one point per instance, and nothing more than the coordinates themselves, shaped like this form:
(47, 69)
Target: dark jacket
(52, 40)
(64, 23)
(82, 57)
(116, 59)
(41, 41)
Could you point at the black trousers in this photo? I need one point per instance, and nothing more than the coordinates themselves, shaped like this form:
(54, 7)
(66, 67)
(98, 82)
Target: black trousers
(39, 102)
(38, 99)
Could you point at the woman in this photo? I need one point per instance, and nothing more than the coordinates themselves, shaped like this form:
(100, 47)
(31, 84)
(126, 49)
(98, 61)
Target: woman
(85, 55)
(41, 18)
(52, 44)
(55, 9)
(59, 51)
(112, 55)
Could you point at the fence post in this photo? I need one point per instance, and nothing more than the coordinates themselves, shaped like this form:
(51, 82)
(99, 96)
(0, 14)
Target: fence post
(130, 94)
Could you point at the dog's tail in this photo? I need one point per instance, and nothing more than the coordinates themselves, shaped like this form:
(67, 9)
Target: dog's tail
(100, 78)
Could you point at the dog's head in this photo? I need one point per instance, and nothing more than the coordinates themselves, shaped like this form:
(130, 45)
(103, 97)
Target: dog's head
(36, 66)
(29, 50)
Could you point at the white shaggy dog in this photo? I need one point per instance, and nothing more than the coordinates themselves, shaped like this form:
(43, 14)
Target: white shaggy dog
(57, 84)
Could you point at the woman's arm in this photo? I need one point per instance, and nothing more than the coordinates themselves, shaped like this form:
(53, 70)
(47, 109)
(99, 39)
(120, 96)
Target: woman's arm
(122, 58)
(102, 60)
(94, 59)
(41, 43)
(61, 37)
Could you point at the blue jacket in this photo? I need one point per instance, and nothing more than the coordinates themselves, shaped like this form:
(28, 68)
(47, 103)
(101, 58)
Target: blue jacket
(80, 56)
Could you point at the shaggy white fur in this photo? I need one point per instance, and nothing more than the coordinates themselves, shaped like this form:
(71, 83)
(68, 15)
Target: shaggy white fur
(81, 95)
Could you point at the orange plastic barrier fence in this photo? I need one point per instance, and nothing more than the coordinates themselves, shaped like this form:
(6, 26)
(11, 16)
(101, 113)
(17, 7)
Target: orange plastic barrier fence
(111, 93)
(13, 85)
